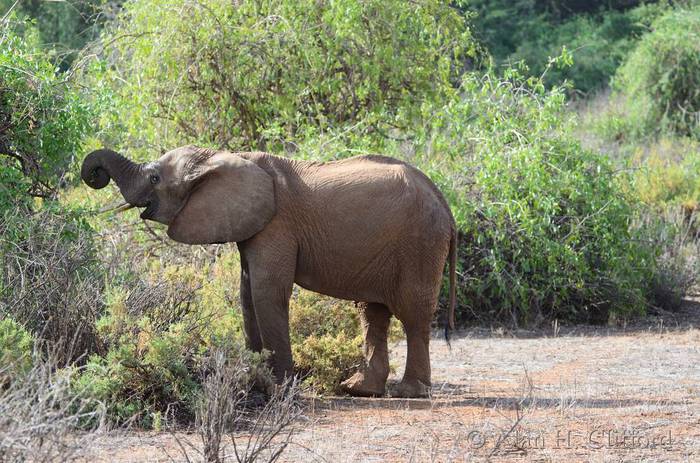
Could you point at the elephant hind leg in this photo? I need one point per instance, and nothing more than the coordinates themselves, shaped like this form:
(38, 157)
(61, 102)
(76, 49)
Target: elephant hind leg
(416, 378)
(370, 379)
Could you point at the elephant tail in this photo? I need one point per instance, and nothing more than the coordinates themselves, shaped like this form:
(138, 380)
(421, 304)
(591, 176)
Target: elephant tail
(450, 322)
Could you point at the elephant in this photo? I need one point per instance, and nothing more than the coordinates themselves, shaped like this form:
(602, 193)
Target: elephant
(370, 229)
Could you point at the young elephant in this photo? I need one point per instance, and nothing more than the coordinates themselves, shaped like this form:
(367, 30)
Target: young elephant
(370, 229)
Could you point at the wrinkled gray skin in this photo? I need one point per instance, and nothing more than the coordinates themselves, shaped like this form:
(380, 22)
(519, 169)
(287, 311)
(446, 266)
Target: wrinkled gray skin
(370, 229)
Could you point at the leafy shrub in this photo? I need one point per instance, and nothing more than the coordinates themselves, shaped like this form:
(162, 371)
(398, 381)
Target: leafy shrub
(156, 333)
(328, 359)
(248, 75)
(161, 379)
(661, 77)
(314, 314)
(326, 339)
(43, 119)
(544, 222)
(16, 346)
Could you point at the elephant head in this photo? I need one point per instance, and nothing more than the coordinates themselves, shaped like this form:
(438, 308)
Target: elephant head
(204, 196)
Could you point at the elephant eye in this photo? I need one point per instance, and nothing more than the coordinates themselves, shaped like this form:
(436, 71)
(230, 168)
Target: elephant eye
(154, 179)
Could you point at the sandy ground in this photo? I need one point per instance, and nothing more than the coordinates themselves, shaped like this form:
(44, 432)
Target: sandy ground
(580, 394)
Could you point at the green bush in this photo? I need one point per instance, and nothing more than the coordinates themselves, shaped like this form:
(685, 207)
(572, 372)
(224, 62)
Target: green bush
(43, 118)
(159, 378)
(544, 222)
(64, 27)
(326, 360)
(326, 339)
(157, 331)
(660, 79)
(253, 75)
(16, 346)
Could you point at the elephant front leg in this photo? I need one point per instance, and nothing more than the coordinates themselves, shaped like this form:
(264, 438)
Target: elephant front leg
(370, 380)
(271, 277)
(250, 321)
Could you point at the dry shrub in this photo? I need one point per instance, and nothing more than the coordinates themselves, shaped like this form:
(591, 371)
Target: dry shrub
(229, 424)
(39, 414)
(677, 269)
(50, 280)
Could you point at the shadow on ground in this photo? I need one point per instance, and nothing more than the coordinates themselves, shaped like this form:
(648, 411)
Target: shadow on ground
(656, 321)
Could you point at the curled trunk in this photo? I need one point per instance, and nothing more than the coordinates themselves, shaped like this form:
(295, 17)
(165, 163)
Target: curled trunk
(102, 165)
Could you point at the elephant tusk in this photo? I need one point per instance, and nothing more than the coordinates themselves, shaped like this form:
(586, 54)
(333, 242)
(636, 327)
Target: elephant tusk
(118, 209)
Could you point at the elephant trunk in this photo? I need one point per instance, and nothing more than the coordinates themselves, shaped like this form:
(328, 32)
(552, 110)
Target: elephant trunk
(102, 165)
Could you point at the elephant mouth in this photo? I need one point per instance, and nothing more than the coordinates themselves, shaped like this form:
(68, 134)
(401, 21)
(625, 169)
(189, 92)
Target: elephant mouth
(150, 211)
(151, 208)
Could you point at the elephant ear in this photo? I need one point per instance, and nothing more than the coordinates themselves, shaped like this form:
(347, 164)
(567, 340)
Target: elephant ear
(231, 199)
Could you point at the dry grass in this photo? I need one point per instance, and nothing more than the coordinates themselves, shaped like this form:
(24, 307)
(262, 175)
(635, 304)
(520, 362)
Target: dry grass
(39, 415)
(229, 428)
(49, 281)
(678, 262)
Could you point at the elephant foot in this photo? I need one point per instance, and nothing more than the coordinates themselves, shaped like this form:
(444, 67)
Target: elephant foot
(360, 385)
(408, 388)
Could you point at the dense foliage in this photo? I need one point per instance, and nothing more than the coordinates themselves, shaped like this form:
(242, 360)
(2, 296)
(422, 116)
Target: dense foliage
(43, 119)
(660, 79)
(599, 34)
(253, 74)
(544, 221)
(64, 27)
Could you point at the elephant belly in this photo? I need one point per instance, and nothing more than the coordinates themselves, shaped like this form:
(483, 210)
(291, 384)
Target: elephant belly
(345, 275)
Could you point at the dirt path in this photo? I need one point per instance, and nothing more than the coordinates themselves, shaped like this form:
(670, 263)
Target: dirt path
(584, 395)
